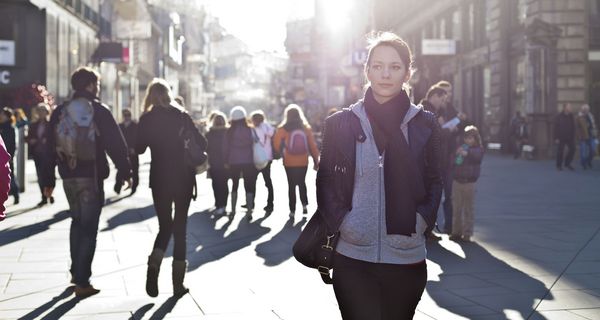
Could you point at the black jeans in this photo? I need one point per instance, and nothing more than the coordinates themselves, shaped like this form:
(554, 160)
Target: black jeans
(40, 164)
(296, 177)
(248, 171)
(163, 204)
(560, 153)
(14, 186)
(266, 173)
(377, 291)
(220, 188)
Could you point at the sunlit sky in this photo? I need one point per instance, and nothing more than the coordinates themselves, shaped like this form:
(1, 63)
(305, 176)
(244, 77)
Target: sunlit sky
(260, 23)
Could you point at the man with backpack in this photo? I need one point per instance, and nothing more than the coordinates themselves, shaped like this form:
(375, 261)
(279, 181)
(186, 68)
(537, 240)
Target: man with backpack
(82, 131)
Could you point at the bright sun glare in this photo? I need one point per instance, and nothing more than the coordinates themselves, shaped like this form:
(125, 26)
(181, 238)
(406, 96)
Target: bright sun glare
(261, 24)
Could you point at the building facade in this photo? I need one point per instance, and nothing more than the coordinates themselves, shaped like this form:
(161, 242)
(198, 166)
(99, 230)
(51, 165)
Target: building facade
(532, 56)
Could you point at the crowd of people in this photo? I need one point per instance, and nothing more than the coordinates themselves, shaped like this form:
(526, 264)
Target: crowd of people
(383, 165)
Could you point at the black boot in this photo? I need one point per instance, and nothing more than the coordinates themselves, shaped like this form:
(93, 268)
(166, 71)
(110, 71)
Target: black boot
(154, 261)
(179, 270)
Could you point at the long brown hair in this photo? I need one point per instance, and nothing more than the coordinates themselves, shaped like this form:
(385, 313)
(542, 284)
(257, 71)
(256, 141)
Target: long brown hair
(157, 94)
(292, 115)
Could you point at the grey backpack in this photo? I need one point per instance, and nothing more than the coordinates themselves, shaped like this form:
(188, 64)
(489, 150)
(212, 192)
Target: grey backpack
(76, 132)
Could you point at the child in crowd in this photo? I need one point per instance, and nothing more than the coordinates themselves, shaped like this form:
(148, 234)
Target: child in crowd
(467, 166)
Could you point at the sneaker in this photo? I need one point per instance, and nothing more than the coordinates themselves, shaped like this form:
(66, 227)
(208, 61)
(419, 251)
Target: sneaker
(304, 210)
(84, 292)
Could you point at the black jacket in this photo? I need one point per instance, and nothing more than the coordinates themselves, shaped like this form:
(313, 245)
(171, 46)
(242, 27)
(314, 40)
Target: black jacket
(564, 127)
(7, 131)
(160, 129)
(216, 147)
(38, 146)
(108, 140)
(335, 177)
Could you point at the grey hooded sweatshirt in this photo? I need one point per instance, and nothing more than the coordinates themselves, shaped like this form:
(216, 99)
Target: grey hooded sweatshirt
(363, 232)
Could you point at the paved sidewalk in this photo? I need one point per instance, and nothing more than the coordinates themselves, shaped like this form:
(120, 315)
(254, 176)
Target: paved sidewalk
(536, 255)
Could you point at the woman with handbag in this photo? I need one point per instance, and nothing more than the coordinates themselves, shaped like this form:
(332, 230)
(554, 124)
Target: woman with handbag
(239, 157)
(171, 180)
(37, 141)
(263, 134)
(379, 188)
(296, 138)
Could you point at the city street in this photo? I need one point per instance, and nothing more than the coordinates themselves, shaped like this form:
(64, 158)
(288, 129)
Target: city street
(535, 255)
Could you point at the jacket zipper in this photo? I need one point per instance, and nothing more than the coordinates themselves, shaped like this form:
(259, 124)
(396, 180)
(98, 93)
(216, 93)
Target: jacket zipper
(380, 164)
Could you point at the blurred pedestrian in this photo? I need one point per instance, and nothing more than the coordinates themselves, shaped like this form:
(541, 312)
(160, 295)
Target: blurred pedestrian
(129, 129)
(21, 120)
(587, 135)
(519, 133)
(239, 157)
(171, 181)
(216, 160)
(379, 183)
(564, 135)
(263, 132)
(467, 164)
(82, 131)
(39, 148)
(295, 137)
(4, 177)
(7, 131)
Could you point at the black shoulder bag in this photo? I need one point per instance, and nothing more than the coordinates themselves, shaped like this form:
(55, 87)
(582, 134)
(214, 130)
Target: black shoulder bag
(194, 156)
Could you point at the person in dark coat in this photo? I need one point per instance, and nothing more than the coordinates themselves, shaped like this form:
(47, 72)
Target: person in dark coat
(82, 177)
(564, 135)
(129, 130)
(379, 184)
(37, 140)
(519, 133)
(239, 157)
(7, 131)
(171, 180)
(216, 160)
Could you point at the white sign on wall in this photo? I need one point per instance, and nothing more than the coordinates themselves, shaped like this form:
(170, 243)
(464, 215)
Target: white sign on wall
(438, 47)
(7, 53)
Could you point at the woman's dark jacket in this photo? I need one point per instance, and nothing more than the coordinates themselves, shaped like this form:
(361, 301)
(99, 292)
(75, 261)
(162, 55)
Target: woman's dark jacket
(335, 177)
(470, 169)
(160, 129)
(38, 146)
(216, 147)
(7, 131)
(238, 144)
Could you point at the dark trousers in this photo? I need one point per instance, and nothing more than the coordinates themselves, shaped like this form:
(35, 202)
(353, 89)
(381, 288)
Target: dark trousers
(266, 173)
(248, 171)
(85, 204)
(560, 153)
(39, 170)
(377, 291)
(14, 186)
(296, 177)
(163, 204)
(220, 188)
(448, 177)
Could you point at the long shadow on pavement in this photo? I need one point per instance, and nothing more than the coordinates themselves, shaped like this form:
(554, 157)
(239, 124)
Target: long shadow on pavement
(11, 235)
(129, 216)
(213, 242)
(139, 313)
(165, 308)
(279, 248)
(489, 273)
(48, 305)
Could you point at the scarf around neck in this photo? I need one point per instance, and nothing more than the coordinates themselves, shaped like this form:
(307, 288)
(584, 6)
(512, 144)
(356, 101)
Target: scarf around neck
(403, 186)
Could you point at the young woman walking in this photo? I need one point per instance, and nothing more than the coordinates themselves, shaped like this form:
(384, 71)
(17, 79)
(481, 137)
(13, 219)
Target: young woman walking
(379, 184)
(263, 133)
(238, 157)
(294, 135)
(467, 166)
(37, 140)
(216, 160)
(171, 181)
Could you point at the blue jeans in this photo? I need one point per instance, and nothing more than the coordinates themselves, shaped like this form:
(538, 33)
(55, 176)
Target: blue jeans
(587, 150)
(85, 203)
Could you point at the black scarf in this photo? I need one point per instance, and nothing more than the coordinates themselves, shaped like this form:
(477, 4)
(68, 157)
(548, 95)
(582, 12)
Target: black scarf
(403, 186)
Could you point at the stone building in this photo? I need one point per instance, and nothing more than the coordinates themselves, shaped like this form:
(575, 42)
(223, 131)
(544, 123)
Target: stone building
(503, 56)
